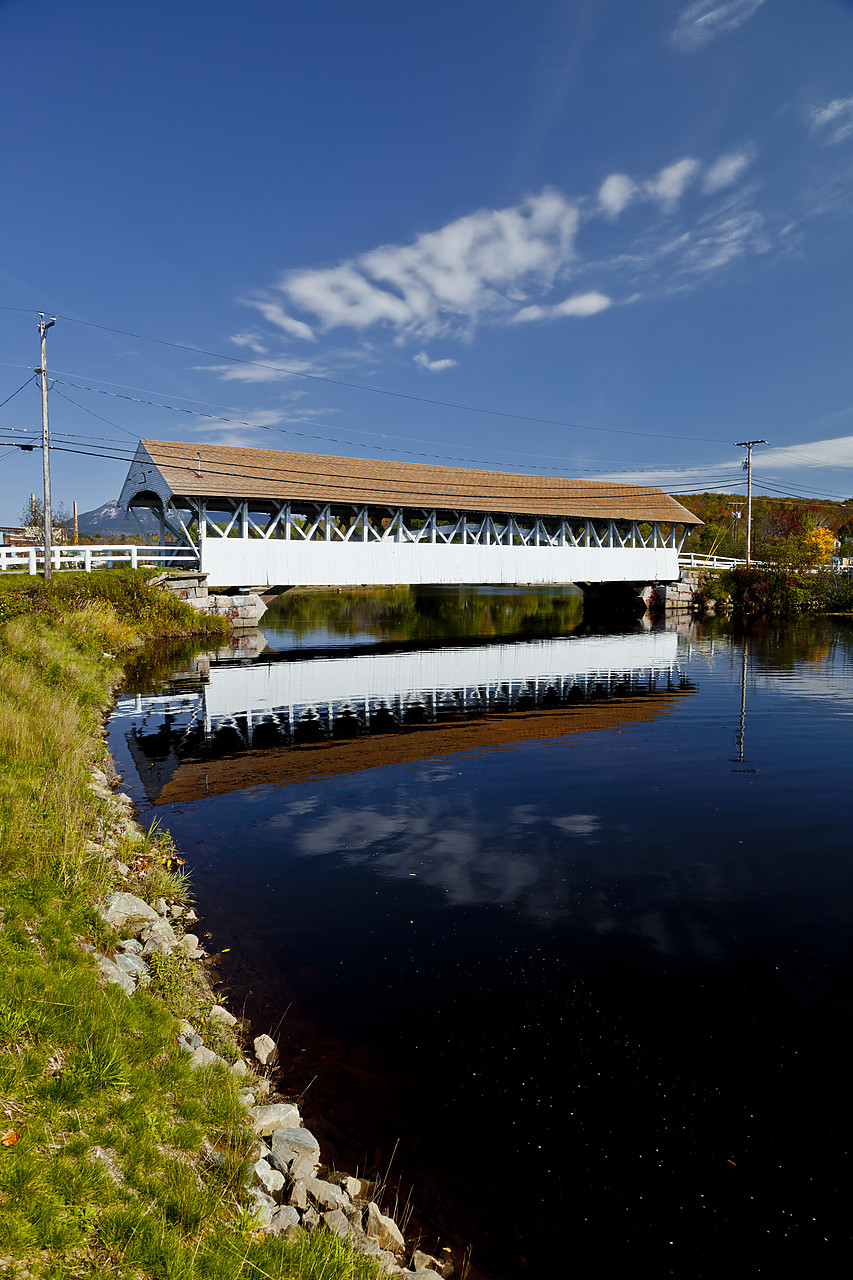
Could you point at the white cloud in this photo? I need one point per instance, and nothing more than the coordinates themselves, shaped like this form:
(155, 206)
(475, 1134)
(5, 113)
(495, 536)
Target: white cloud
(726, 171)
(667, 187)
(434, 366)
(705, 20)
(445, 280)
(511, 265)
(831, 454)
(276, 315)
(838, 114)
(723, 241)
(273, 369)
(250, 340)
(616, 193)
(581, 304)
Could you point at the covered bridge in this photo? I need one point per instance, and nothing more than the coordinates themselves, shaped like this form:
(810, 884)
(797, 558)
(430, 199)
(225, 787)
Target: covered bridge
(256, 517)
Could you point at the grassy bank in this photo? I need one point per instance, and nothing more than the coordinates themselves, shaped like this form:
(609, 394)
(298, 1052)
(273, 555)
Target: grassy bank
(117, 1159)
(148, 611)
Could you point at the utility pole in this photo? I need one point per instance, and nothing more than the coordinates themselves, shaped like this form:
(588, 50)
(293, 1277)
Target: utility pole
(747, 444)
(45, 442)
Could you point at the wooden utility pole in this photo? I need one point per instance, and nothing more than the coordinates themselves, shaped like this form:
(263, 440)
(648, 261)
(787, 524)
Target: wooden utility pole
(45, 443)
(747, 444)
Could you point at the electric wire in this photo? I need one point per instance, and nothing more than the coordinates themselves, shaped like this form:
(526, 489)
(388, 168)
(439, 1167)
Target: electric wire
(291, 477)
(32, 378)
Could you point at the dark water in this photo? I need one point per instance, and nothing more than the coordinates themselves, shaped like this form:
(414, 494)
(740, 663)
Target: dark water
(565, 915)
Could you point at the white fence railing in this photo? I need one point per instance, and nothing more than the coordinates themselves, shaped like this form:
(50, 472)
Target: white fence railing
(696, 560)
(31, 559)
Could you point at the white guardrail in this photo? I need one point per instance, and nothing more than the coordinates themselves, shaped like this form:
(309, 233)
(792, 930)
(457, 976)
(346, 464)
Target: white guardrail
(696, 560)
(31, 559)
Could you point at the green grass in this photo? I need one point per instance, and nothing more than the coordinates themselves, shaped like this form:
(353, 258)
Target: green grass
(112, 1174)
(147, 610)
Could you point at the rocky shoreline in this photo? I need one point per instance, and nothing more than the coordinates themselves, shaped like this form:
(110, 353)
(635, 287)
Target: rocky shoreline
(289, 1189)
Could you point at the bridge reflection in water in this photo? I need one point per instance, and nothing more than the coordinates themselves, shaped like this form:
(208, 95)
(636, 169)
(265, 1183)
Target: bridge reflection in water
(289, 720)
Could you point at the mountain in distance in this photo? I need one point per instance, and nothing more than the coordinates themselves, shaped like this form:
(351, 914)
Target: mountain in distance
(111, 521)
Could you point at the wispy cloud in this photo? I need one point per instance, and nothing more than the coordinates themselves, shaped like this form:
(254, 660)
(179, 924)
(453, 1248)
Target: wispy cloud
(834, 119)
(835, 453)
(706, 20)
(445, 281)
(511, 266)
(726, 171)
(668, 186)
(582, 304)
(434, 366)
(271, 369)
(616, 193)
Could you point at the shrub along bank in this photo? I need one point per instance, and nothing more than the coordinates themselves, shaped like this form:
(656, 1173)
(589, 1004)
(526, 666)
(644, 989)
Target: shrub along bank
(117, 1157)
(777, 589)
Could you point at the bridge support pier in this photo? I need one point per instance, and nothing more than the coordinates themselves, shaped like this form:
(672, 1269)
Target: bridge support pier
(616, 599)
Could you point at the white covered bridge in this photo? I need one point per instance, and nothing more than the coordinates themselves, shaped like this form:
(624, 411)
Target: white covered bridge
(262, 517)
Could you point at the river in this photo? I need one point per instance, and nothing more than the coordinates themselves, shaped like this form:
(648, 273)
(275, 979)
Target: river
(552, 922)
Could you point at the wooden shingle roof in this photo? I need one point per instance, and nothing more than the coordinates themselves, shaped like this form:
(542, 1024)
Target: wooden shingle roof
(223, 471)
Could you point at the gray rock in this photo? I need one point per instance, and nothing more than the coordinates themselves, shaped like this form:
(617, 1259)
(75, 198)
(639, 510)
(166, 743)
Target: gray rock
(261, 1206)
(384, 1230)
(261, 1087)
(204, 1057)
(298, 1196)
(121, 868)
(248, 1100)
(126, 909)
(352, 1186)
(325, 1195)
(160, 906)
(310, 1218)
(110, 972)
(278, 1115)
(284, 1219)
(303, 1167)
(135, 967)
(239, 1068)
(130, 946)
(189, 1039)
(268, 1177)
(266, 1050)
(219, 1014)
(338, 1222)
(387, 1260)
(276, 1160)
(189, 942)
(191, 916)
(301, 1142)
(159, 936)
(427, 1263)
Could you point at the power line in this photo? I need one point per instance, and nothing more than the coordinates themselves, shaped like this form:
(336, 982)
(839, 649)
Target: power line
(382, 391)
(32, 378)
(292, 477)
(91, 411)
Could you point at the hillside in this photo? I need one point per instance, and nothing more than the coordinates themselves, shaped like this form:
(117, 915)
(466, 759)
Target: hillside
(773, 518)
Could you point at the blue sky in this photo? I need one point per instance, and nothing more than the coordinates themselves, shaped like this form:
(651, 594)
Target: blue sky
(627, 224)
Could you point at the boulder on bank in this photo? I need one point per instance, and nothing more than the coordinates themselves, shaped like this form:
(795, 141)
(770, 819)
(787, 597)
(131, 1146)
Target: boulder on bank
(125, 910)
(266, 1050)
(382, 1229)
(278, 1115)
